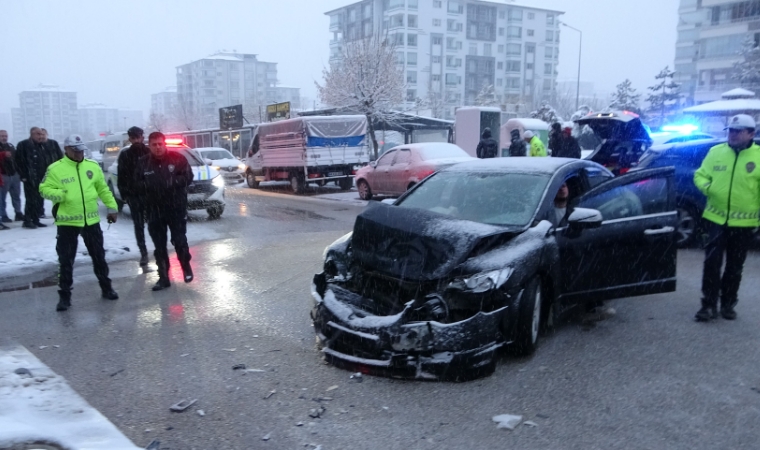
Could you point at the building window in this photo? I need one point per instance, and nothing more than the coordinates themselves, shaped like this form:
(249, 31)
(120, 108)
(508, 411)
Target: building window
(514, 32)
(453, 25)
(368, 29)
(411, 95)
(530, 48)
(549, 53)
(502, 14)
(499, 82)
(548, 85)
(548, 69)
(400, 57)
(411, 40)
(528, 66)
(501, 48)
(486, 49)
(435, 59)
(435, 77)
(501, 31)
(411, 59)
(513, 83)
(412, 4)
(452, 79)
(351, 15)
(531, 16)
(455, 7)
(397, 20)
(437, 4)
(515, 15)
(394, 4)
(514, 49)
(500, 65)
(436, 22)
(437, 40)
(397, 39)
(550, 19)
(411, 21)
(513, 66)
(549, 36)
(411, 77)
(531, 33)
(473, 49)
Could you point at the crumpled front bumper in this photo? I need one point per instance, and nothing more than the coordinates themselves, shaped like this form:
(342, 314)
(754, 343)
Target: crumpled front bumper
(398, 346)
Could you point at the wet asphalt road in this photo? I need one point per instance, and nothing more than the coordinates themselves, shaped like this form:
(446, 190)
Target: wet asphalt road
(647, 378)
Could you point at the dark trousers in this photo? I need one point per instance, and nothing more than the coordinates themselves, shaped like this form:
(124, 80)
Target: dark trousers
(34, 202)
(734, 242)
(138, 212)
(68, 238)
(176, 223)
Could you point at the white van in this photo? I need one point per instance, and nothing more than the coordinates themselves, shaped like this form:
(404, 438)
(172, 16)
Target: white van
(111, 146)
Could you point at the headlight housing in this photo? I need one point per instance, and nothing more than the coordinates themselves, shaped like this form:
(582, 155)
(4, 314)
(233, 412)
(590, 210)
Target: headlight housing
(482, 282)
(218, 181)
(241, 166)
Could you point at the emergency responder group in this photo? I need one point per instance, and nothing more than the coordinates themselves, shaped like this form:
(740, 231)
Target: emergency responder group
(561, 142)
(154, 183)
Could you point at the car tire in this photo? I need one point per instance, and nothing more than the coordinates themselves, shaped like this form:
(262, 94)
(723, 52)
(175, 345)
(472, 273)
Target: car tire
(365, 192)
(346, 183)
(529, 314)
(250, 178)
(688, 226)
(215, 212)
(297, 183)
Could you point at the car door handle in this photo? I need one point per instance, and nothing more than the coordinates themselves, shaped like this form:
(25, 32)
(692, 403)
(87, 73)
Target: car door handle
(663, 230)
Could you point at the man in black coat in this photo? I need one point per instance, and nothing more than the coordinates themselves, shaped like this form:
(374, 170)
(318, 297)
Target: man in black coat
(487, 147)
(32, 160)
(130, 194)
(163, 177)
(11, 181)
(555, 138)
(55, 151)
(518, 147)
(568, 146)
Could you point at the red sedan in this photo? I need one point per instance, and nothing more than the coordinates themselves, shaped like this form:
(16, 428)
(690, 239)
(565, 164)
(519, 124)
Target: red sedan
(403, 166)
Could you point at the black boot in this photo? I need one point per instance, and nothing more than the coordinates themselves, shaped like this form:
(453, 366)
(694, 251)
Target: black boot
(143, 258)
(709, 311)
(163, 283)
(110, 294)
(187, 271)
(19, 217)
(727, 309)
(64, 300)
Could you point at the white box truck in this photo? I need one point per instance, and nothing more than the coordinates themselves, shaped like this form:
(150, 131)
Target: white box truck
(318, 149)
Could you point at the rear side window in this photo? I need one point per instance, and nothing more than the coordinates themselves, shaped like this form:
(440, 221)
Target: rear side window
(403, 157)
(649, 196)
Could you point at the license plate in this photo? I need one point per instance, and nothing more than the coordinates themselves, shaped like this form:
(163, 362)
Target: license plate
(334, 174)
(196, 197)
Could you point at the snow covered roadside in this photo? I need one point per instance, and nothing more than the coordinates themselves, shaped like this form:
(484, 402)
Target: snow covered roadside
(22, 249)
(351, 197)
(39, 406)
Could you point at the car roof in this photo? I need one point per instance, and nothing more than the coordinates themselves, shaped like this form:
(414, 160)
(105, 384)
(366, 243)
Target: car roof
(694, 143)
(537, 165)
(200, 149)
(424, 145)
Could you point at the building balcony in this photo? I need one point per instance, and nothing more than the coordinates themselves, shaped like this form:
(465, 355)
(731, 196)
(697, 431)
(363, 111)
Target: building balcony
(336, 26)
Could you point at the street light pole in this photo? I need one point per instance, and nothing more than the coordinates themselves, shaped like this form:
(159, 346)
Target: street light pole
(580, 49)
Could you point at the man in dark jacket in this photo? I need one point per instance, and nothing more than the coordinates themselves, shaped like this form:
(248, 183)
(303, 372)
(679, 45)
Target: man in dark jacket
(555, 138)
(568, 146)
(32, 160)
(126, 181)
(518, 147)
(163, 177)
(11, 182)
(54, 149)
(487, 147)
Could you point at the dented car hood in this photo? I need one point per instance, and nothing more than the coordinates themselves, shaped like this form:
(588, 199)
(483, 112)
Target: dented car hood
(419, 245)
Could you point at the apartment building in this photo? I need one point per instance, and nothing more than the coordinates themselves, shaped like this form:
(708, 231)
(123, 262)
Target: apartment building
(452, 49)
(710, 37)
(49, 107)
(223, 79)
(164, 102)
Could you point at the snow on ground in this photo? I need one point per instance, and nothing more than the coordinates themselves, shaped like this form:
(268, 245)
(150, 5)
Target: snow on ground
(39, 406)
(344, 196)
(22, 249)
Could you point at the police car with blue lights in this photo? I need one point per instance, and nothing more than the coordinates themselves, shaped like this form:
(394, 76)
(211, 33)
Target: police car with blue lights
(205, 192)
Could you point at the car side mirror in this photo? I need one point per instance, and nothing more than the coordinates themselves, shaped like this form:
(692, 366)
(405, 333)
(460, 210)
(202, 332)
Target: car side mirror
(373, 164)
(584, 218)
(389, 201)
(208, 162)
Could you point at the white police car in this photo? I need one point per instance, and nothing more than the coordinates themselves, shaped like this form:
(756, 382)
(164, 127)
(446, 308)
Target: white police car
(205, 192)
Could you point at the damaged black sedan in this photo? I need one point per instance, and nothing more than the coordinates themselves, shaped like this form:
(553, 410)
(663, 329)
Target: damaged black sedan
(486, 254)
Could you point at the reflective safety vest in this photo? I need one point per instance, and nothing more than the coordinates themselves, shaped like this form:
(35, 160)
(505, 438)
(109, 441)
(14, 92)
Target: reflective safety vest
(74, 189)
(731, 183)
(537, 147)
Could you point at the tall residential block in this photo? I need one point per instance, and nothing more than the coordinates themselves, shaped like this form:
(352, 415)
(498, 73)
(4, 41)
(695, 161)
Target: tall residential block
(453, 50)
(49, 107)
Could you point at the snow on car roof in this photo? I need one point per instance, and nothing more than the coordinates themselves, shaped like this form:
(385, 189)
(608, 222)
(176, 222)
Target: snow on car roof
(526, 164)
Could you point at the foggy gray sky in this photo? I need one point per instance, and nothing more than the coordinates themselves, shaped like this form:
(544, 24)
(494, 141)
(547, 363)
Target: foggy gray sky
(118, 52)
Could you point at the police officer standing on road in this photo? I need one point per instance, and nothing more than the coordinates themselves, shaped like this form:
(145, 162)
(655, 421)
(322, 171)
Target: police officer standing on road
(730, 178)
(74, 185)
(126, 182)
(163, 178)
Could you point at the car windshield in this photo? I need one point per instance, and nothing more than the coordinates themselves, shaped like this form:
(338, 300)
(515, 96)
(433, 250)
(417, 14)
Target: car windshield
(442, 151)
(189, 154)
(216, 154)
(489, 197)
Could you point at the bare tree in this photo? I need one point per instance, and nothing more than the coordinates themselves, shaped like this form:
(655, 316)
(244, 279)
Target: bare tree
(486, 96)
(158, 122)
(747, 71)
(366, 79)
(186, 115)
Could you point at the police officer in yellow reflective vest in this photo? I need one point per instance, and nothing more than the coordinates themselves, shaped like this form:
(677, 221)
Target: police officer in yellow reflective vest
(730, 178)
(74, 185)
